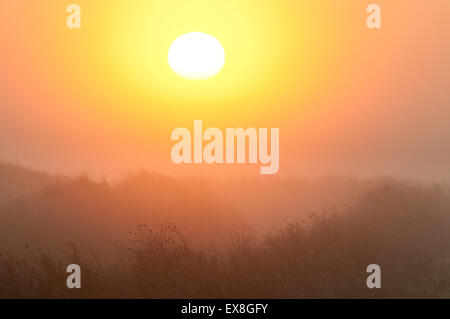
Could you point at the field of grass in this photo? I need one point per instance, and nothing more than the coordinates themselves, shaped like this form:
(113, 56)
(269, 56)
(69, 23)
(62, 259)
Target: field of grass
(149, 236)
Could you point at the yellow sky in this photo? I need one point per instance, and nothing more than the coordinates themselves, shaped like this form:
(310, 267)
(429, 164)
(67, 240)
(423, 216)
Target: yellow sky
(346, 99)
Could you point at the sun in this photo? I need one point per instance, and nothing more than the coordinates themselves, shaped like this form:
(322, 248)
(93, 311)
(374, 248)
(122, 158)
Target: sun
(196, 56)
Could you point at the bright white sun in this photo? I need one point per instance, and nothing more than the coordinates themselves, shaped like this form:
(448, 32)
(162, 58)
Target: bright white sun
(196, 56)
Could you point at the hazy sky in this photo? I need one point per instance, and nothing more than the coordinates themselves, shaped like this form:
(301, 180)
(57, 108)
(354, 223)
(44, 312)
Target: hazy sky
(347, 99)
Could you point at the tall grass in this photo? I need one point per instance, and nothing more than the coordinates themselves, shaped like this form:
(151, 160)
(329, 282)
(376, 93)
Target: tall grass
(402, 227)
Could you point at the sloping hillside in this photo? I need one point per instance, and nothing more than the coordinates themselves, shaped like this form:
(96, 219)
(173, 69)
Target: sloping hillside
(16, 181)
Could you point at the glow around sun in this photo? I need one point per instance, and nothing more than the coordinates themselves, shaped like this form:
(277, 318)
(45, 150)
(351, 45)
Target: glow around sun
(196, 56)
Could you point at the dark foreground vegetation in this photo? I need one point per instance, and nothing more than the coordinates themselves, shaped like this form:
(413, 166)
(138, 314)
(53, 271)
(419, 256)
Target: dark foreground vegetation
(402, 227)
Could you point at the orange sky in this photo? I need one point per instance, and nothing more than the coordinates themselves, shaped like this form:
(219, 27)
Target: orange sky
(347, 99)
